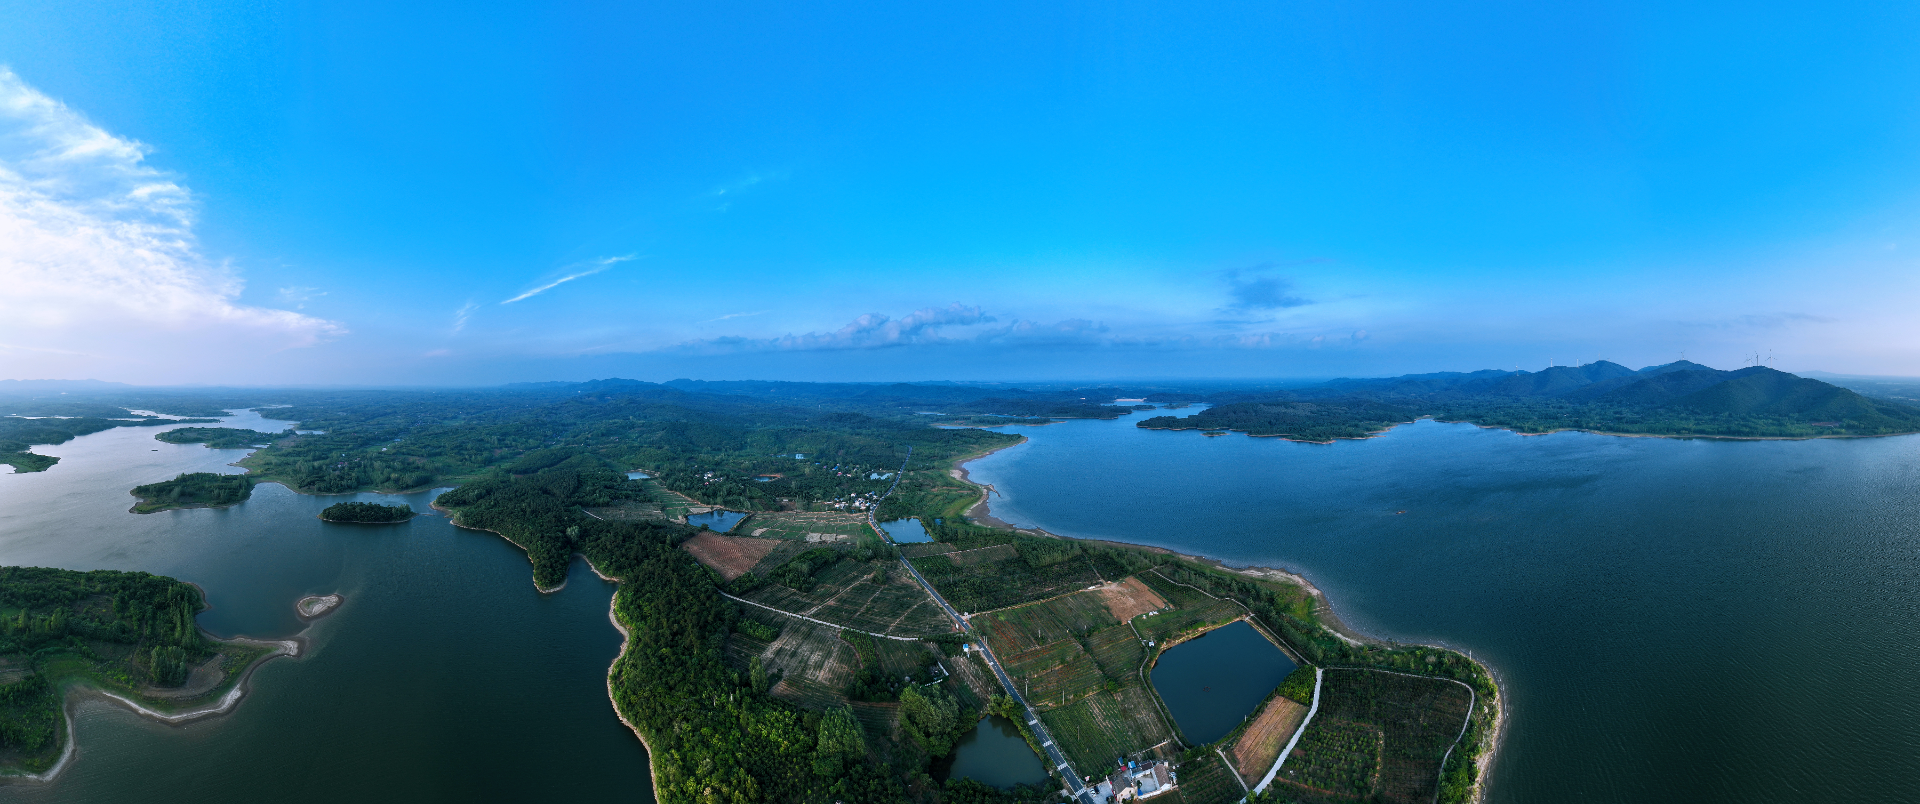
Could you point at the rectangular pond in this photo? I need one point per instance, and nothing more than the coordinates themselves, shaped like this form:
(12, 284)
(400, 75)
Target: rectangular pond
(1215, 680)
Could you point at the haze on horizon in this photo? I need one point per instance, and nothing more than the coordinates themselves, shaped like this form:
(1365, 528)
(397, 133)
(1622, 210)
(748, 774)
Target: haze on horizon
(359, 193)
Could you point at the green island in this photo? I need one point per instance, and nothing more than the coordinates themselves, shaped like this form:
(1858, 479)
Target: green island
(803, 656)
(364, 512)
(193, 490)
(127, 635)
(218, 437)
(1677, 399)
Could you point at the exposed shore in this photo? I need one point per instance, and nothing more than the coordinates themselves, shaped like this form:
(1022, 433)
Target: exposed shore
(313, 607)
(220, 706)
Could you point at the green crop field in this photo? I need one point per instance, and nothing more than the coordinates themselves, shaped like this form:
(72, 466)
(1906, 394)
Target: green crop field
(1015, 630)
(1414, 721)
(986, 586)
(1336, 756)
(1169, 623)
(1208, 780)
(847, 595)
(1116, 650)
(1102, 727)
(1177, 595)
(1053, 675)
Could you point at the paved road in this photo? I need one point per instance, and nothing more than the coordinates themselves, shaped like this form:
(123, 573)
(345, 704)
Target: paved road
(1059, 760)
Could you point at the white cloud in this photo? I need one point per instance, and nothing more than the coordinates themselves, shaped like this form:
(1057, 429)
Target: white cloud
(97, 253)
(593, 267)
(464, 313)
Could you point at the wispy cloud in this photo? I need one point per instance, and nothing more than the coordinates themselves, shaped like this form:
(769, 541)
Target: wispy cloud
(97, 252)
(731, 316)
(299, 296)
(724, 193)
(592, 267)
(870, 331)
(465, 312)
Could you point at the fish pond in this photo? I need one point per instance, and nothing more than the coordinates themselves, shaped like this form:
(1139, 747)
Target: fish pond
(1215, 680)
(906, 531)
(716, 520)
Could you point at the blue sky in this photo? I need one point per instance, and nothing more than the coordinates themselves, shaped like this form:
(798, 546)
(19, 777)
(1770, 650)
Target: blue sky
(345, 193)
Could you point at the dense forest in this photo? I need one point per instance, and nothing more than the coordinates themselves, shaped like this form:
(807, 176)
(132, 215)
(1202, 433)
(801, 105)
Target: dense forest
(195, 490)
(123, 630)
(1677, 399)
(366, 512)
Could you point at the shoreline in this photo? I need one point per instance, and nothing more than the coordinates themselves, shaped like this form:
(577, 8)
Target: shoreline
(78, 691)
(1378, 433)
(626, 643)
(1324, 611)
(454, 519)
(959, 472)
(322, 605)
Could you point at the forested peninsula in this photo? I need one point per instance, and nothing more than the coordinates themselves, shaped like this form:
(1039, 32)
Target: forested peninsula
(1676, 399)
(129, 635)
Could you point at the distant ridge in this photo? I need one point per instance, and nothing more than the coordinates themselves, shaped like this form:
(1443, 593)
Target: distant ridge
(59, 385)
(1676, 399)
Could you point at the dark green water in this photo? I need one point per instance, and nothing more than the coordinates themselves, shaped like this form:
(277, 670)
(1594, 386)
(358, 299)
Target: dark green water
(1673, 620)
(1213, 682)
(993, 753)
(443, 677)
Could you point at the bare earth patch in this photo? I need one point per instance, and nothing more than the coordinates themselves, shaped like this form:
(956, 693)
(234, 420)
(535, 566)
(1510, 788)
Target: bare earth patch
(731, 556)
(1130, 598)
(1260, 744)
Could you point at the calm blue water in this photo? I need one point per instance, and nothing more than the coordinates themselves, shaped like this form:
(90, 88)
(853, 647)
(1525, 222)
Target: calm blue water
(638, 476)
(906, 531)
(1213, 682)
(1672, 620)
(994, 753)
(442, 677)
(717, 520)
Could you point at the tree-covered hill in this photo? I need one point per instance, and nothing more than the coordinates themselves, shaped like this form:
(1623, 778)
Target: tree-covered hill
(1675, 399)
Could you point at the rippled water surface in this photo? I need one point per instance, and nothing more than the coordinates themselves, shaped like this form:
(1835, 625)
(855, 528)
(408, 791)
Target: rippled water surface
(443, 677)
(1673, 620)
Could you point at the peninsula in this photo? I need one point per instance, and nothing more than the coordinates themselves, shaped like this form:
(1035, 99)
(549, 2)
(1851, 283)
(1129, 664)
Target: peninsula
(128, 636)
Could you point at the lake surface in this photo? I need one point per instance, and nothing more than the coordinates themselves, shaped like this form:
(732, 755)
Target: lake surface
(1213, 682)
(1672, 620)
(443, 677)
(994, 753)
(716, 520)
(906, 531)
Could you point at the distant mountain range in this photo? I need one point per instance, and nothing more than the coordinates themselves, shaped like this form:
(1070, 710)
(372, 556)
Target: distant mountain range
(1681, 398)
(13, 386)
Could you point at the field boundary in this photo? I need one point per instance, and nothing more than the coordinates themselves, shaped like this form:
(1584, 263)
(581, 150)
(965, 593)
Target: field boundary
(1318, 674)
(821, 622)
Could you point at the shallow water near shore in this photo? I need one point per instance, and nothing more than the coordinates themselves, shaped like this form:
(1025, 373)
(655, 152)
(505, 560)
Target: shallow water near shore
(443, 676)
(1672, 620)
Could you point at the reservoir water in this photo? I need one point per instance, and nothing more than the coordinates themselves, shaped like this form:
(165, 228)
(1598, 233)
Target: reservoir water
(442, 677)
(1214, 681)
(906, 531)
(993, 753)
(1672, 620)
(716, 520)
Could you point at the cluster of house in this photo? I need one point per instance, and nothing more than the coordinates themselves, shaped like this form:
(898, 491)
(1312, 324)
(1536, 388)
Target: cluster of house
(1135, 780)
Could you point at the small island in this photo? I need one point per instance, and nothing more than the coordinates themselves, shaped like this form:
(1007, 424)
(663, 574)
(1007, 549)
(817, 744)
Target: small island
(313, 607)
(366, 513)
(194, 490)
(218, 437)
(127, 636)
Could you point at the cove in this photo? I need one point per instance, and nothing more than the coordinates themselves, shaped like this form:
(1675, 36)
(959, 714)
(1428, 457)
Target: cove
(1215, 680)
(994, 753)
(444, 676)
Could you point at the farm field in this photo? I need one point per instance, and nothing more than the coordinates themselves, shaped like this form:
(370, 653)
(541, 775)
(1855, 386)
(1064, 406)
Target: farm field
(813, 662)
(1208, 780)
(1259, 745)
(1130, 598)
(1020, 629)
(1117, 651)
(1102, 727)
(979, 585)
(846, 594)
(1053, 675)
(1414, 720)
(731, 556)
(1167, 624)
(805, 526)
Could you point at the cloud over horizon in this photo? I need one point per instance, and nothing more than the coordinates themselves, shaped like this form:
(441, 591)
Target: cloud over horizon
(97, 252)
